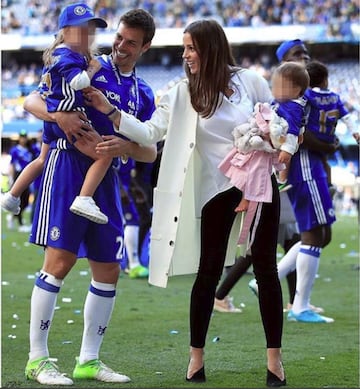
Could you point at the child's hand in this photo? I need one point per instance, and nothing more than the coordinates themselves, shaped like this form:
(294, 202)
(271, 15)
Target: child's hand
(284, 157)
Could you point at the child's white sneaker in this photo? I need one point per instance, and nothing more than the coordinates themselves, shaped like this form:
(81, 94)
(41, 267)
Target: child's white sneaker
(10, 203)
(85, 206)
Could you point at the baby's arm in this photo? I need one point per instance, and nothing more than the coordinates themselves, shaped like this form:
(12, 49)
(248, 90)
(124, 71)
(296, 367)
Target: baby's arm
(284, 157)
(351, 125)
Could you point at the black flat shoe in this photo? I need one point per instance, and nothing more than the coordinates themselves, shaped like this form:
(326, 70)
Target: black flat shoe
(199, 376)
(273, 381)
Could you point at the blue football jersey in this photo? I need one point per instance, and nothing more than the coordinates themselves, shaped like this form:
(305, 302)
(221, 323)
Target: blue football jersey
(293, 112)
(20, 157)
(326, 108)
(55, 87)
(56, 78)
(127, 92)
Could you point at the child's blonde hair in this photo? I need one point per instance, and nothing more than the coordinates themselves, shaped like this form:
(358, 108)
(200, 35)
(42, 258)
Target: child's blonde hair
(59, 39)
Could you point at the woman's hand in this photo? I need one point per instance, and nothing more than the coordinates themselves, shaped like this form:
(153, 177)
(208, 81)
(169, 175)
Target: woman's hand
(74, 124)
(95, 98)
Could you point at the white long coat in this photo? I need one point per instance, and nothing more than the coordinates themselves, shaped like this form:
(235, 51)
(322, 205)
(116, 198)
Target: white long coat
(175, 229)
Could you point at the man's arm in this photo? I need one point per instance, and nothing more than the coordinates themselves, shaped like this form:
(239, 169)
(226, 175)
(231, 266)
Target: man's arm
(314, 144)
(74, 124)
(34, 104)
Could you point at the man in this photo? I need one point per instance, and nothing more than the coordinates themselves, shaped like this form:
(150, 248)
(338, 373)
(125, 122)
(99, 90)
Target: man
(101, 244)
(311, 201)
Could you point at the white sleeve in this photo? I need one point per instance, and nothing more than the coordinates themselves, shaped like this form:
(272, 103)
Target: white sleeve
(291, 144)
(80, 81)
(350, 123)
(151, 131)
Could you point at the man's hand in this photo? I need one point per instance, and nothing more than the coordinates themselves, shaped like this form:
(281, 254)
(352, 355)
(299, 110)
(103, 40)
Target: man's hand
(74, 124)
(87, 146)
(114, 146)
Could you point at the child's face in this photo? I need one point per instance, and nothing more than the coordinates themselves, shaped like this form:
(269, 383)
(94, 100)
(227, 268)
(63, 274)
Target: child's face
(80, 38)
(284, 89)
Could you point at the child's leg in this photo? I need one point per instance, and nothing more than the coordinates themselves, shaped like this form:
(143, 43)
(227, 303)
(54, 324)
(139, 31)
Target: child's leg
(283, 175)
(243, 205)
(282, 179)
(84, 205)
(94, 176)
(10, 201)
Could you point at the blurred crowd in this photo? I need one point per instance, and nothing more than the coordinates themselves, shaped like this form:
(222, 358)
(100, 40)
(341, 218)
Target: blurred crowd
(31, 17)
(19, 80)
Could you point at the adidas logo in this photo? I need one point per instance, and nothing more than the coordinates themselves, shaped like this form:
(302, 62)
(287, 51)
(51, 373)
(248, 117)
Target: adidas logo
(101, 79)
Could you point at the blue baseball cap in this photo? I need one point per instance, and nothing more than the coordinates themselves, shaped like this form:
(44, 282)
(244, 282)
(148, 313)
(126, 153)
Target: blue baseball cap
(78, 14)
(286, 46)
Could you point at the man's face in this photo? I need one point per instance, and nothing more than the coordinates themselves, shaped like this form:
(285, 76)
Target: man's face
(128, 47)
(297, 54)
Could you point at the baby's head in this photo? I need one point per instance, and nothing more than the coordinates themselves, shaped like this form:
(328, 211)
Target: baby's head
(289, 81)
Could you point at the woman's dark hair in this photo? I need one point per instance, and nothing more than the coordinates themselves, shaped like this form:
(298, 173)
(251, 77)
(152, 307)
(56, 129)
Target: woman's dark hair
(216, 65)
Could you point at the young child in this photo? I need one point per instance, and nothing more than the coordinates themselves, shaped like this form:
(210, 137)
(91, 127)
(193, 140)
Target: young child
(268, 142)
(326, 108)
(68, 68)
(289, 83)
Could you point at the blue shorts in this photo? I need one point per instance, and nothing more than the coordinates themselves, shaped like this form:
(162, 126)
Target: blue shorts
(312, 204)
(56, 226)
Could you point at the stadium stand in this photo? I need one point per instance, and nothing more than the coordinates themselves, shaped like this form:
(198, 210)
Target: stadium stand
(330, 29)
(41, 16)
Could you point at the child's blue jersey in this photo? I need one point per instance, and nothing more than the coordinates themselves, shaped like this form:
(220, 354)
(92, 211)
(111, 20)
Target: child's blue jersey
(55, 86)
(56, 78)
(326, 108)
(293, 111)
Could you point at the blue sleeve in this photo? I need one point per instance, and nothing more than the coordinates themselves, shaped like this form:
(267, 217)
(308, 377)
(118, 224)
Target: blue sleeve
(293, 113)
(70, 65)
(147, 101)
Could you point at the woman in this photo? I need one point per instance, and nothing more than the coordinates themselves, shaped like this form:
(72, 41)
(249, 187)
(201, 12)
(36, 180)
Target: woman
(194, 202)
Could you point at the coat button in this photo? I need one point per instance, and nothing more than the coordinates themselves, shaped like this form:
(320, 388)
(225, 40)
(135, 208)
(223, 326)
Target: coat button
(191, 145)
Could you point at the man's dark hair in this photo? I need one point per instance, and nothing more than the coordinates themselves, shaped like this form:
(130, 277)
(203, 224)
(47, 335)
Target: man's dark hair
(141, 19)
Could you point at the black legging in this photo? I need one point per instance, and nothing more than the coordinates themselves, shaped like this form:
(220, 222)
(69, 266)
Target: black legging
(217, 219)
